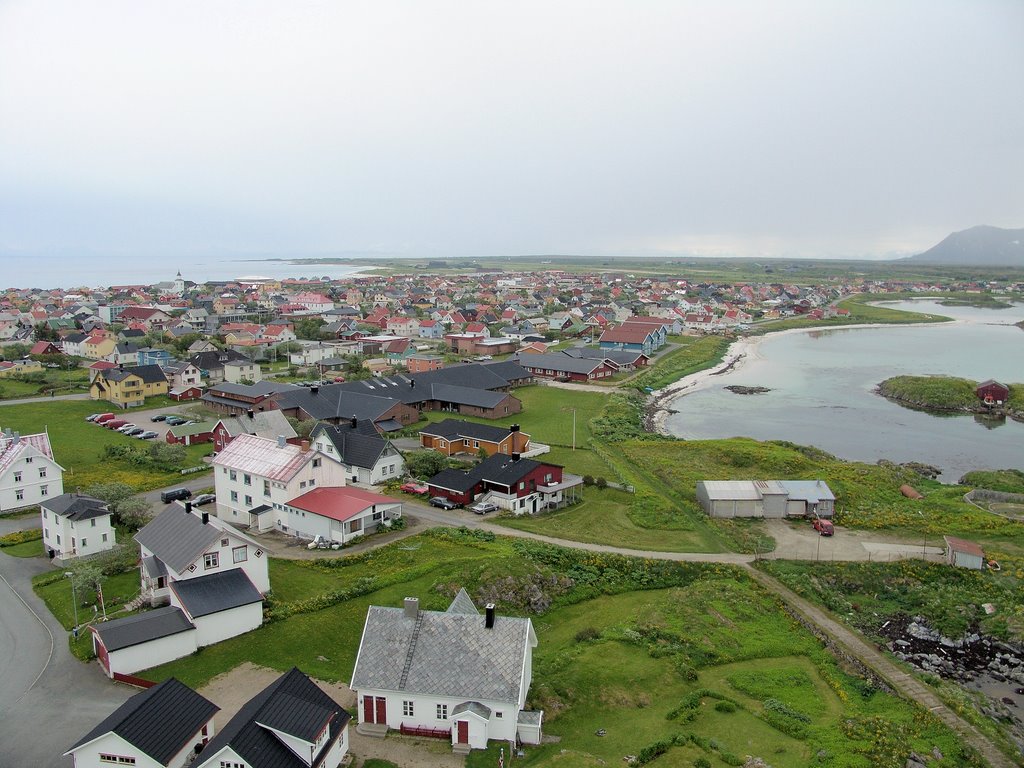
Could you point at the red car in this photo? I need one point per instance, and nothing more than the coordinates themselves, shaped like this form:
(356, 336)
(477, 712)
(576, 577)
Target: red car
(114, 423)
(413, 487)
(824, 527)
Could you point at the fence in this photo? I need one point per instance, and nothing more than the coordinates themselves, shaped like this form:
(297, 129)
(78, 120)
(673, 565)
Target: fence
(430, 733)
(138, 682)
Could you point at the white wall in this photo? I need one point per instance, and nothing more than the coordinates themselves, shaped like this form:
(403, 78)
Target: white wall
(425, 712)
(88, 755)
(159, 651)
(220, 626)
(31, 485)
(72, 535)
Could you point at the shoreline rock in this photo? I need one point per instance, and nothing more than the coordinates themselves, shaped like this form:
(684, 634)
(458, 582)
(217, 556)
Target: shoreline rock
(739, 389)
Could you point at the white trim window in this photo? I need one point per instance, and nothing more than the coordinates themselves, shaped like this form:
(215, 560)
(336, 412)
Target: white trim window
(407, 709)
(442, 711)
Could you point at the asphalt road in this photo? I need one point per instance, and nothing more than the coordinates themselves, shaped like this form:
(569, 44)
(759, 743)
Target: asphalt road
(48, 699)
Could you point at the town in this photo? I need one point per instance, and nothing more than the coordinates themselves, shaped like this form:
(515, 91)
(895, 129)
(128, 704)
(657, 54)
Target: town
(185, 467)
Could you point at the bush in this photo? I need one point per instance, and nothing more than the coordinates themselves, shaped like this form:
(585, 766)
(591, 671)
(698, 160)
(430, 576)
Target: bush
(601, 483)
(586, 634)
(725, 706)
(588, 480)
(701, 762)
(20, 537)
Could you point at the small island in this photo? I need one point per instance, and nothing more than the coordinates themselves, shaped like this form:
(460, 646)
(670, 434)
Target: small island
(952, 394)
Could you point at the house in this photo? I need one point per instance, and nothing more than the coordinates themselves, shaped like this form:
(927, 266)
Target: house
(623, 360)
(291, 723)
(98, 345)
(74, 344)
(365, 455)
(453, 436)
(123, 353)
(28, 472)
(190, 392)
(127, 387)
(243, 371)
(420, 363)
(25, 365)
(638, 338)
(76, 526)
(517, 485)
(164, 726)
(766, 498)
(44, 348)
(964, 554)
(211, 363)
(213, 577)
(268, 424)
(451, 672)
(255, 476)
(559, 366)
(151, 356)
(339, 514)
(991, 391)
(431, 329)
(191, 434)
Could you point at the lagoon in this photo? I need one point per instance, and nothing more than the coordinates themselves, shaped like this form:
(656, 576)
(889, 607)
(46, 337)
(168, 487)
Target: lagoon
(822, 391)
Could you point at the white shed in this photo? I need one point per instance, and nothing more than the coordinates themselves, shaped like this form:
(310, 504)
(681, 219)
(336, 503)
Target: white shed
(964, 554)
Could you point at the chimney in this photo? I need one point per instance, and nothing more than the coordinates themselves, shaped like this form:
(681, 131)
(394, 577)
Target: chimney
(515, 457)
(489, 616)
(120, 366)
(514, 428)
(412, 607)
(188, 507)
(314, 390)
(354, 421)
(206, 518)
(412, 383)
(250, 413)
(304, 446)
(281, 442)
(15, 438)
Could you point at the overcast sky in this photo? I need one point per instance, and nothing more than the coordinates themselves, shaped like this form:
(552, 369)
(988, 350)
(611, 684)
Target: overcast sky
(813, 128)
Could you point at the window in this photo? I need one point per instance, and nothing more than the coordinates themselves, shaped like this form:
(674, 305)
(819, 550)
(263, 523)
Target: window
(117, 759)
(233, 475)
(42, 471)
(44, 490)
(499, 715)
(234, 495)
(84, 545)
(407, 709)
(476, 443)
(316, 463)
(17, 477)
(46, 533)
(224, 542)
(19, 494)
(92, 523)
(442, 711)
(104, 537)
(58, 538)
(230, 764)
(312, 483)
(211, 560)
(248, 501)
(247, 479)
(522, 486)
(266, 487)
(302, 484)
(28, 460)
(239, 554)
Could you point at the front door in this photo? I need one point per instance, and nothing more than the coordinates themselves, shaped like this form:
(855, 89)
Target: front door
(463, 732)
(382, 710)
(368, 709)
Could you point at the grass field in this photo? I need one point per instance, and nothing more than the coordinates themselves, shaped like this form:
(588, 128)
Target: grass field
(56, 593)
(62, 382)
(694, 353)
(25, 549)
(78, 445)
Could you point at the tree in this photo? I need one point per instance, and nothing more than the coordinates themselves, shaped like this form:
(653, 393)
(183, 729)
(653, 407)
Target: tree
(302, 428)
(309, 328)
(86, 575)
(133, 512)
(43, 332)
(425, 463)
(113, 493)
(172, 454)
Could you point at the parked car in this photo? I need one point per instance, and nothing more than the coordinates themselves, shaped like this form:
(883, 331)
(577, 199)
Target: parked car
(103, 418)
(203, 498)
(411, 486)
(483, 507)
(443, 503)
(160, 417)
(114, 423)
(134, 431)
(147, 435)
(126, 428)
(174, 421)
(175, 494)
(824, 527)
(93, 416)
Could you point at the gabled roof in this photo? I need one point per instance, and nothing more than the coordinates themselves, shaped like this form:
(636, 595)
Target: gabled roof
(443, 654)
(150, 374)
(142, 627)
(12, 448)
(559, 362)
(293, 705)
(268, 424)
(456, 429)
(160, 721)
(75, 506)
(179, 538)
(216, 592)
(963, 546)
(463, 603)
(360, 446)
(264, 457)
(497, 468)
(339, 503)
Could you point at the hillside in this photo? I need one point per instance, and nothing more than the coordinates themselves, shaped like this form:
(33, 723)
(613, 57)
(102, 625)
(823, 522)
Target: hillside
(980, 245)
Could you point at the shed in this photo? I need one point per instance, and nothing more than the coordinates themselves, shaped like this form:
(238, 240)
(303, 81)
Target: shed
(991, 391)
(964, 554)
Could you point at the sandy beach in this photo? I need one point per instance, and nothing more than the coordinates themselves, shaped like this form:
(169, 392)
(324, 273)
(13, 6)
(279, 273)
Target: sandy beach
(659, 403)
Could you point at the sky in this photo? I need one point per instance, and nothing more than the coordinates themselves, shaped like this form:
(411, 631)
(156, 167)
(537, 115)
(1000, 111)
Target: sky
(139, 130)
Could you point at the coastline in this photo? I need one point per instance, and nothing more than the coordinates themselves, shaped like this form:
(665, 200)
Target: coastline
(659, 403)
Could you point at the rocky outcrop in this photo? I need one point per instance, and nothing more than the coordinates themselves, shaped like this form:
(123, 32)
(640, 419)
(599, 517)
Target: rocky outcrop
(739, 389)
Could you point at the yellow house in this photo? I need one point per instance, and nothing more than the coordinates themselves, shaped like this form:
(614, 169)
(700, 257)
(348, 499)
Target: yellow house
(98, 347)
(15, 367)
(126, 387)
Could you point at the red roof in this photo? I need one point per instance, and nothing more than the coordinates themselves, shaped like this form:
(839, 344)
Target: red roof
(961, 545)
(339, 504)
(636, 334)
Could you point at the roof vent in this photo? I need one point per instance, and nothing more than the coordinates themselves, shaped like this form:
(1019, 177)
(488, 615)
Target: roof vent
(354, 421)
(412, 607)
(281, 441)
(250, 413)
(206, 518)
(188, 507)
(489, 616)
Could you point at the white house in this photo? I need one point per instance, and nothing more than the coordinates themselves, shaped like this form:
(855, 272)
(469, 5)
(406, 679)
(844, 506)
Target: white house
(366, 456)
(161, 727)
(76, 526)
(255, 476)
(454, 671)
(291, 723)
(339, 514)
(28, 473)
(238, 371)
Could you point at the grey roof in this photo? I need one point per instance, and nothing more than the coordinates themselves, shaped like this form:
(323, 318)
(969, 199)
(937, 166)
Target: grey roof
(452, 429)
(330, 402)
(617, 356)
(259, 389)
(529, 717)
(559, 362)
(472, 706)
(808, 490)
(292, 704)
(179, 538)
(443, 654)
(216, 592)
(360, 446)
(463, 603)
(497, 468)
(262, 424)
(154, 567)
(75, 506)
(160, 721)
(150, 374)
(479, 398)
(142, 627)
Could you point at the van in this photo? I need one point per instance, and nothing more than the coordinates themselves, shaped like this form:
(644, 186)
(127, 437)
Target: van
(175, 494)
(103, 417)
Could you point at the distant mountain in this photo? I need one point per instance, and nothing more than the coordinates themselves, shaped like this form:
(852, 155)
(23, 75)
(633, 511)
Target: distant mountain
(978, 246)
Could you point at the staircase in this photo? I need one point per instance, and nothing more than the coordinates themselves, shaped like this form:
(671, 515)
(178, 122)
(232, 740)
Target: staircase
(412, 650)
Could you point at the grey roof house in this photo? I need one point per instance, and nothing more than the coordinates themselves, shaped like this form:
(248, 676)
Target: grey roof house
(367, 456)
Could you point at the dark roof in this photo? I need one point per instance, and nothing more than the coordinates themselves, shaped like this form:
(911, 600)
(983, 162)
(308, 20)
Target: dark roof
(178, 537)
(259, 389)
(160, 721)
(557, 362)
(331, 402)
(76, 507)
(497, 468)
(360, 446)
(453, 480)
(215, 360)
(150, 374)
(216, 592)
(292, 704)
(453, 429)
(619, 356)
(143, 627)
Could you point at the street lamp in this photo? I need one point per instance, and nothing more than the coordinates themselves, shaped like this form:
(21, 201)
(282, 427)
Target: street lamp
(74, 597)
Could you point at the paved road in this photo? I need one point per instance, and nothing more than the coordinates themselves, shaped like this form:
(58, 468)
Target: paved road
(48, 699)
(23, 400)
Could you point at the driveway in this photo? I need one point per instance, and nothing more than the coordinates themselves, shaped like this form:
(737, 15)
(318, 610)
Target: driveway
(799, 541)
(40, 681)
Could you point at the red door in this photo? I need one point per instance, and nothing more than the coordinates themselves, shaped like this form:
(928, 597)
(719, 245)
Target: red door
(367, 709)
(382, 710)
(463, 732)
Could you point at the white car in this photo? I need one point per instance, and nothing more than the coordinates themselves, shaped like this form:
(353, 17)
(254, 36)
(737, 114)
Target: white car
(484, 507)
(126, 427)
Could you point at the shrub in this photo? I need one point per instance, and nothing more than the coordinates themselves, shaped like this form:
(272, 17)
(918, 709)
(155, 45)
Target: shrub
(586, 634)
(601, 482)
(725, 706)
(588, 480)
(702, 762)
(20, 537)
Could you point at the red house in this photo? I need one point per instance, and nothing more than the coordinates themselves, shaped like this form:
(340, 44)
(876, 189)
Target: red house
(991, 391)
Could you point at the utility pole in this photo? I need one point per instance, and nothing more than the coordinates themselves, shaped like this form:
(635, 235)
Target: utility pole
(74, 596)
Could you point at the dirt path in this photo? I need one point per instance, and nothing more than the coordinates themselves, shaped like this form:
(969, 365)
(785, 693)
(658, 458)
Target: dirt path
(901, 681)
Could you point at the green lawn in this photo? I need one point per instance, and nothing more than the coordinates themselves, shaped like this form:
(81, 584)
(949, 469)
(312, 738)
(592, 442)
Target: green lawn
(62, 382)
(78, 444)
(25, 549)
(582, 461)
(56, 593)
(693, 353)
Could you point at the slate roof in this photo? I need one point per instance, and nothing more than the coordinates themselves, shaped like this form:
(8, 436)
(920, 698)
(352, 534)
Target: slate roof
(216, 592)
(617, 356)
(262, 424)
(558, 362)
(75, 506)
(446, 654)
(463, 603)
(331, 402)
(475, 707)
(150, 374)
(454, 429)
(292, 704)
(160, 721)
(142, 627)
(179, 538)
(497, 468)
(360, 446)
